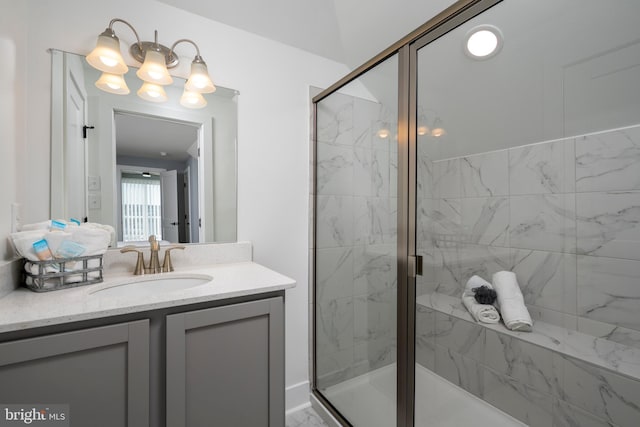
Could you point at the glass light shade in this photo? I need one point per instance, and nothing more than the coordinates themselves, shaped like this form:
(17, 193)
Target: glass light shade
(106, 56)
(383, 133)
(199, 80)
(154, 69)
(423, 130)
(192, 100)
(113, 83)
(152, 92)
(438, 132)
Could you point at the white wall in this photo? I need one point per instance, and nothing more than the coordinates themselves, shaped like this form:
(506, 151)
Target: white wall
(13, 43)
(273, 111)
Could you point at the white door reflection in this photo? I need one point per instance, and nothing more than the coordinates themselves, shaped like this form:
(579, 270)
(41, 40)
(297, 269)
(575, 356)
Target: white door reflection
(157, 182)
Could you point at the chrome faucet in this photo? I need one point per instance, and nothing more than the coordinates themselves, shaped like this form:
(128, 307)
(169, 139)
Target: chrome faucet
(154, 262)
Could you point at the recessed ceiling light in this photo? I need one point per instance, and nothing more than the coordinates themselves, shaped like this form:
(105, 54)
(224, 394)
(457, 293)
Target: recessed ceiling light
(483, 42)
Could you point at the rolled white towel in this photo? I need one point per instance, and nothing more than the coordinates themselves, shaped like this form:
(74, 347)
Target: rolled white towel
(481, 312)
(511, 302)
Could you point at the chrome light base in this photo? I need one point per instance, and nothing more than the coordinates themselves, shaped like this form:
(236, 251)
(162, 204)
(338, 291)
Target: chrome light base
(138, 50)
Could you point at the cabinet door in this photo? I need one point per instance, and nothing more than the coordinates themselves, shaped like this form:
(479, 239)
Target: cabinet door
(101, 373)
(225, 366)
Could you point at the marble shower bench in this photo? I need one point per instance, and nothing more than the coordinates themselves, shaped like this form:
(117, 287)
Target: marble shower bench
(549, 377)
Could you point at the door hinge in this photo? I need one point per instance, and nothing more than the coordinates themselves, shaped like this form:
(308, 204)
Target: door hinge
(415, 265)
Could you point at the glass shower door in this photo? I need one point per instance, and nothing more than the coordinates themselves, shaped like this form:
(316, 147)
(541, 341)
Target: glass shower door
(355, 251)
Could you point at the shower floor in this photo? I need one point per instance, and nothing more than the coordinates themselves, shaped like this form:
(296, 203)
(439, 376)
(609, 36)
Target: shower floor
(369, 400)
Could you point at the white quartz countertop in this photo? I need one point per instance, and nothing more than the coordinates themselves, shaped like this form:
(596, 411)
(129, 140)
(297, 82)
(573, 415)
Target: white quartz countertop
(23, 309)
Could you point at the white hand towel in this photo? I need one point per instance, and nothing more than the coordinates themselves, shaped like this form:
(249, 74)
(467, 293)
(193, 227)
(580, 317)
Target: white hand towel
(511, 303)
(23, 243)
(95, 241)
(481, 312)
(108, 228)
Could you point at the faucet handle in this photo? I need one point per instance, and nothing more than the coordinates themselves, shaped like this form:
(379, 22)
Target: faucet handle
(139, 270)
(167, 266)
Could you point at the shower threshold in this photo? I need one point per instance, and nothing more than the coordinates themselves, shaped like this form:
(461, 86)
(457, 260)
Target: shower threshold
(369, 400)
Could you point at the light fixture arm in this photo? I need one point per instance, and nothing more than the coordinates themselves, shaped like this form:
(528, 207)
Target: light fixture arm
(198, 57)
(114, 20)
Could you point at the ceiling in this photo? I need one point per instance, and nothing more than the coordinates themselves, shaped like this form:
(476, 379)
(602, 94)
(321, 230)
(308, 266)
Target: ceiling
(346, 31)
(169, 137)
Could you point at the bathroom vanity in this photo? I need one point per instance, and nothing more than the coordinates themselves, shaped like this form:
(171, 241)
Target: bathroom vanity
(211, 354)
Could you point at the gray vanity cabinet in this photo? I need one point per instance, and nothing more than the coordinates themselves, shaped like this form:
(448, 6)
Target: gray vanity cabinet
(225, 366)
(102, 373)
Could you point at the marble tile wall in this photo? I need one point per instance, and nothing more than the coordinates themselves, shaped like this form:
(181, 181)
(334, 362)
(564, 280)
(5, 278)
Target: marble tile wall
(355, 238)
(534, 384)
(564, 215)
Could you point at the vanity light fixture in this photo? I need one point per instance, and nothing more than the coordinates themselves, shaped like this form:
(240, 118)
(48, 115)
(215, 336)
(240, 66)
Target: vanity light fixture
(483, 42)
(429, 128)
(156, 59)
(113, 83)
(192, 99)
(152, 92)
(437, 130)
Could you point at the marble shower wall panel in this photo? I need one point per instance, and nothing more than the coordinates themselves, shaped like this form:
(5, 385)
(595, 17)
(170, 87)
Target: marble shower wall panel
(567, 415)
(334, 222)
(335, 120)
(564, 215)
(523, 402)
(334, 274)
(334, 170)
(485, 174)
(355, 242)
(374, 269)
(618, 334)
(545, 168)
(536, 385)
(425, 337)
(462, 371)
(608, 396)
(485, 221)
(608, 224)
(527, 363)
(608, 161)
(546, 279)
(544, 222)
(609, 290)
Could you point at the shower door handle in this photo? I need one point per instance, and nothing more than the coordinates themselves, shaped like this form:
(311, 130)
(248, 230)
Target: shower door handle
(415, 265)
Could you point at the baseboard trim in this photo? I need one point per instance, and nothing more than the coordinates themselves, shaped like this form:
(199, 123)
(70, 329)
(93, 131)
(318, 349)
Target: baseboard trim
(297, 396)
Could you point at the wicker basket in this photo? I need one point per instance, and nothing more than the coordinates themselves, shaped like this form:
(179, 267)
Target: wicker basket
(64, 273)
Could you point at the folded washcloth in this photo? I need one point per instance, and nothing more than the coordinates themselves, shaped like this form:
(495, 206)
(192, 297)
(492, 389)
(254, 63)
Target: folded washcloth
(481, 312)
(511, 303)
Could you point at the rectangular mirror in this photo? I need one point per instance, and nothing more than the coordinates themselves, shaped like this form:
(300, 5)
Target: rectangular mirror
(140, 166)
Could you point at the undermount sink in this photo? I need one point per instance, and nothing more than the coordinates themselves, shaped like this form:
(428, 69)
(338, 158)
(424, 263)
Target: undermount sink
(150, 285)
